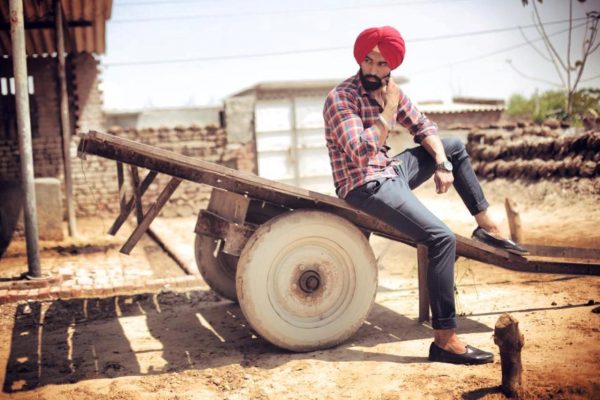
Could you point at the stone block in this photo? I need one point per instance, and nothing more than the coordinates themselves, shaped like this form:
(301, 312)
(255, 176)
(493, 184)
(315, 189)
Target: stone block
(49, 208)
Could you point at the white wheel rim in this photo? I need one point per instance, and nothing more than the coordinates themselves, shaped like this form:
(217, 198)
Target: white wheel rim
(336, 277)
(280, 304)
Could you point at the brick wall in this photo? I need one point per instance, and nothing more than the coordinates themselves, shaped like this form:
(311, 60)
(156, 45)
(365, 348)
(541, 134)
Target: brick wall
(85, 81)
(46, 150)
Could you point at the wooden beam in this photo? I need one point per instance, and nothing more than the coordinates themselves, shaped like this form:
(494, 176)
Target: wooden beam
(563, 252)
(47, 25)
(150, 215)
(65, 118)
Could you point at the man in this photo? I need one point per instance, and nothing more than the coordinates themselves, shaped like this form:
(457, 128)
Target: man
(359, 113)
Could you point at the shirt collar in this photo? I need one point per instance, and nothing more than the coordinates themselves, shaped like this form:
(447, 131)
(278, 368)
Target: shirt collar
(361, 89)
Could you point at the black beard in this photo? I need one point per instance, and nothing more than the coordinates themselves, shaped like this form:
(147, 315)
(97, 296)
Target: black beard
(371, 85)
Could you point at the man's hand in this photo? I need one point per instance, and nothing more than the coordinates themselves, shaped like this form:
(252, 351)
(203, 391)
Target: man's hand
(391, 96)
(443, 181)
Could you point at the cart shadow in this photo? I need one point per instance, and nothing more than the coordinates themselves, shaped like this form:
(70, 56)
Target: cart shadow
(69, 341)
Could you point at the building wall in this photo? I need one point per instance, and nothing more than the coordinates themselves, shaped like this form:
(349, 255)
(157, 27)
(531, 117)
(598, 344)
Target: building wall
(467, 118)
(94, 179)
(85, 107)
(168, 117)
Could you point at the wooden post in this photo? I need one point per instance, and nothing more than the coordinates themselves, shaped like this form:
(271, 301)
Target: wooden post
(514, 220)
(17, 35)
(422, 264)
(137, 193)
(510, 341)
(65, 120)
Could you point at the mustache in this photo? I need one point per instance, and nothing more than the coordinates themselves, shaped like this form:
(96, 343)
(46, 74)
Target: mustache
(378, 79)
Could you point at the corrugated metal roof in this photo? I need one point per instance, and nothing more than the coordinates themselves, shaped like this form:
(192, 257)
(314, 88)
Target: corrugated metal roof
(86, 21)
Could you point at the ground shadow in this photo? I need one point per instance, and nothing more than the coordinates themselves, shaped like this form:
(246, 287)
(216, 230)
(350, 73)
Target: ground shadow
(69, 341)
(481, 393)
(11, 203)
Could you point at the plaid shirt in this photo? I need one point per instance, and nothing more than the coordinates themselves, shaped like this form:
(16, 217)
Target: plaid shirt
(350, 114)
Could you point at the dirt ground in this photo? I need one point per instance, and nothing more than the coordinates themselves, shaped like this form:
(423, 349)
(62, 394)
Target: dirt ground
(191, 345)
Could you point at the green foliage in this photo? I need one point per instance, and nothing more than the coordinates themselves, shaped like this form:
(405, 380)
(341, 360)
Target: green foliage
(587, 102)
(553, 104)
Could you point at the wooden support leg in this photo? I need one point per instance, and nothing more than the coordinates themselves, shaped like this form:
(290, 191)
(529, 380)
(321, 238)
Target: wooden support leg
(510, 341)
(120, 180)
(422, 263)
(135, 180)
(125, 211)
(150, 215)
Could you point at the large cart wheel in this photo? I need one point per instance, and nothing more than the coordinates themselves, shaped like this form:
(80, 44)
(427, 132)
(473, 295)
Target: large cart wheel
(306, 280)
(216, 267)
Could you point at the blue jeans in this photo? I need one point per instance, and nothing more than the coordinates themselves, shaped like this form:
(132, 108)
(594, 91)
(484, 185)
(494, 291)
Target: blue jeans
(392, 200)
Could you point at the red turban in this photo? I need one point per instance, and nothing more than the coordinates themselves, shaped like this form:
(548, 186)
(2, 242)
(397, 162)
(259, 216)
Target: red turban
(388, 40)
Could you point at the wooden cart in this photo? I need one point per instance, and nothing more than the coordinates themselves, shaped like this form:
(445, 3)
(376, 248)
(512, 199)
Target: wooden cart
(298, 262)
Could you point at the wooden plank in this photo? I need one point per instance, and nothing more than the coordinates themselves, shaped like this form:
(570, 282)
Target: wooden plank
(231, 206)
(563, 252)
(137, 195)
(234, 235)
(124, 214)
(423, 264)
(192, 169)
(150, 215)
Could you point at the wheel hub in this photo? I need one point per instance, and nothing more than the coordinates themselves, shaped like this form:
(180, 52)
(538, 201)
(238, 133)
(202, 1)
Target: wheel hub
(309, 281)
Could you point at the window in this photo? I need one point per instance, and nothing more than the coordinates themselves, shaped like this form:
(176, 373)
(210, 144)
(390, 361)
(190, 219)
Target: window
(8, 111)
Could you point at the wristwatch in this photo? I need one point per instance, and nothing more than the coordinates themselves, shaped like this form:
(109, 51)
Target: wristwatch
(444, 166)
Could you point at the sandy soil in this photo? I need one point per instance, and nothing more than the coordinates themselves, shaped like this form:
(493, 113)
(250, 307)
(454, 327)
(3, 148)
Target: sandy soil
(190, 345)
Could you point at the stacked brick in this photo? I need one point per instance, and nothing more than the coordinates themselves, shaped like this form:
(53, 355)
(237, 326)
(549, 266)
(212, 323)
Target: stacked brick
(534, 152)
(46, 152)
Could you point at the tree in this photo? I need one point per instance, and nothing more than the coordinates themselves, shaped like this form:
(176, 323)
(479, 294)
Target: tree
(552, 104)
(569, 71)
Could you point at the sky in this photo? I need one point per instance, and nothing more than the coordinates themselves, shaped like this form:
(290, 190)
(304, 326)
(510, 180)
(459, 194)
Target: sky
(184, 53)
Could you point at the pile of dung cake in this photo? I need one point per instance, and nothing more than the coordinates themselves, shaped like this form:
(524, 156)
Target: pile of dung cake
(534, 152)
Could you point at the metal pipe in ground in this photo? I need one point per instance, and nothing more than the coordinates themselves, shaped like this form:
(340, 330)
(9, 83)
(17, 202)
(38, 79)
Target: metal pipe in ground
(17, 34)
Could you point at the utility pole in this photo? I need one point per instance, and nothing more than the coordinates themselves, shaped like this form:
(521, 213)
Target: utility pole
(17, 34)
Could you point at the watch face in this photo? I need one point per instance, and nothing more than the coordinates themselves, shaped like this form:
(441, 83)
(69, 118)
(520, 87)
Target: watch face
(445, 165)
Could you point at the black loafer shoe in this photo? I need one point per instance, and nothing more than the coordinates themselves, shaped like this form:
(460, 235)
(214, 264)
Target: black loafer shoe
(505, 244)
(471, 356)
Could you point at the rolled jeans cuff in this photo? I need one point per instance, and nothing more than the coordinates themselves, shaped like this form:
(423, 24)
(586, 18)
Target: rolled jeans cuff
(443, 323)
(478, 207)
